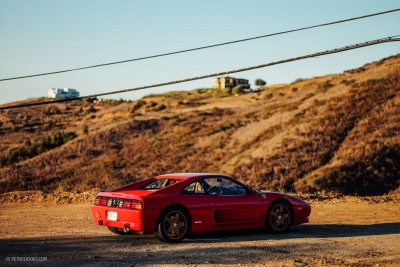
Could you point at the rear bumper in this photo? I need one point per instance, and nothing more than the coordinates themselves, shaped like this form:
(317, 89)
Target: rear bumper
(135, 220)
(301, 214)
(126, 218)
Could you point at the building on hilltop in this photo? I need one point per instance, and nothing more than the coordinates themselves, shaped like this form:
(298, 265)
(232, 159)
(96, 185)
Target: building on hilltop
(63, 93)
(230, 82)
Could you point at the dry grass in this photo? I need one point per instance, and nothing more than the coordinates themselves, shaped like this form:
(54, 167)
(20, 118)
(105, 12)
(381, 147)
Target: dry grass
(337, 133)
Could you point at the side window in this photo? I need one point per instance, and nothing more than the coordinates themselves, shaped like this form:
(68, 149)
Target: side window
(194, 188)
(224, 187)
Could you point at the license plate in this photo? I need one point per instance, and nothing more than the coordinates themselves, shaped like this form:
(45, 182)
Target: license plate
(112, 216)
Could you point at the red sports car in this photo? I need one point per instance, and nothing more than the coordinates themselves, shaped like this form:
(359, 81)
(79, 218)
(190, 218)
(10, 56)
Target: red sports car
(176, 205)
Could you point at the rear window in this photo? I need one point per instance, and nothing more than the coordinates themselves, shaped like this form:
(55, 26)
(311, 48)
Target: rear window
(159, 183)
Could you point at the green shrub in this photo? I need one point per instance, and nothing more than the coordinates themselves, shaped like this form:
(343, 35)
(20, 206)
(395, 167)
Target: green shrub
(91, 109)
(226, 91)
(221, 92)
(46, 143)
(85, 129)
(138, 105)
(299, 80)
(152, 104)
(325, 86)
(160, 107)
(307, 96)
(260, 83)
(237, 90)
(202, 90)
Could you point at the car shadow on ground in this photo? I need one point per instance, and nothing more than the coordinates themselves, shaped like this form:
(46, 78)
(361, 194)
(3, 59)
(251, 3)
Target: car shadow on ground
(146, 249)
(301, 231)
(296, 232)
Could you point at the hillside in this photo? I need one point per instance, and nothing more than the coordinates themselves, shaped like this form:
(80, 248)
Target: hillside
(336, 133)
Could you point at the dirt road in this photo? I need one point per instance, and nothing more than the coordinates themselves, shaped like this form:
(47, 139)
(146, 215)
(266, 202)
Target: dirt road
(342, 232)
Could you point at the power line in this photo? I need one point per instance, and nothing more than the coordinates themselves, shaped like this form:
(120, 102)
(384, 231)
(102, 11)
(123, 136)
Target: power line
(203, 47)
(327, 52)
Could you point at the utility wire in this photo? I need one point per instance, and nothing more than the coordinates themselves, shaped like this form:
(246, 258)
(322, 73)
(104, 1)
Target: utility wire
(327, 52)
(203, 47)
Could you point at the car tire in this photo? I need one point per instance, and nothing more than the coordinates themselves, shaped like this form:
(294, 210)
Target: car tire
(119, 231)
(279, 217)
(173, 225)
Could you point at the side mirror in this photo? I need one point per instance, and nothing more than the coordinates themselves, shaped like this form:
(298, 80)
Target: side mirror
(250, 189)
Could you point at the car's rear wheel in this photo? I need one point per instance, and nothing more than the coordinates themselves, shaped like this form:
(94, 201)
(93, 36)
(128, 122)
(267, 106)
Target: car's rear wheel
(173, 225)
(119, 231)
(279, 217)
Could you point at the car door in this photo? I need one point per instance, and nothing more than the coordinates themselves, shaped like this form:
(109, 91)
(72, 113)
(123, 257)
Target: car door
(196, 200)
(231, 204)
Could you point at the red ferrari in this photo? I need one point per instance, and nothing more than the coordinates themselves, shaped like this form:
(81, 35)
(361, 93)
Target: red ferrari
(175, 205)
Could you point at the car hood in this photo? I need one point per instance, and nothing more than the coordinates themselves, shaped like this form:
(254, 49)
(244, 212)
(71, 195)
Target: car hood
(292, 199)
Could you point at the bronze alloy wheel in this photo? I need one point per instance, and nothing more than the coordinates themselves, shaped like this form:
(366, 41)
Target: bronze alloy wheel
(173, 226)
(279, 217)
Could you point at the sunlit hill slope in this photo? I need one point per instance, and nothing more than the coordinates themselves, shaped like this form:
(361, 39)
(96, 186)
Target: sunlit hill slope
(336, 133)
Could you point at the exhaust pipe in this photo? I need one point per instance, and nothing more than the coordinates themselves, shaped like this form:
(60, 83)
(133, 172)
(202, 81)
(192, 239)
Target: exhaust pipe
(100, 222)
(127, 227)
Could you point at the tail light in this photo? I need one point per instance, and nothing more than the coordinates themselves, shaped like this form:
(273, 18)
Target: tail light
(132, 204)
(137, 204)
(100, 201)
(119, 203)
(97, 201)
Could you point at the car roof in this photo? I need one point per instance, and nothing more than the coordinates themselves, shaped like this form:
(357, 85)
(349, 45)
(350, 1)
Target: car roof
(189, 175)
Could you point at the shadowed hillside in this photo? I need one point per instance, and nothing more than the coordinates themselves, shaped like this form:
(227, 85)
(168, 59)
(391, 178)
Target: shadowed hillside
(335, 133)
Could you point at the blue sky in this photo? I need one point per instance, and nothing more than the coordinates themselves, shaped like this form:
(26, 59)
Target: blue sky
(47, 35)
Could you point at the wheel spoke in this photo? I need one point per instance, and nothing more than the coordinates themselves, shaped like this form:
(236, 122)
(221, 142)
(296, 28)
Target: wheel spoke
(181, 224)
(169, 230)
(177, 232)
(177, 217)
(274, 214)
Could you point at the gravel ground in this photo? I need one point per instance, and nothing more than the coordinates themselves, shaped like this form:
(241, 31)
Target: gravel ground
(341, 232)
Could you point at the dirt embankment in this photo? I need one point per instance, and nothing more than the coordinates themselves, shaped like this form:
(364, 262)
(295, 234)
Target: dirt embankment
(343, 231)
(60, 196)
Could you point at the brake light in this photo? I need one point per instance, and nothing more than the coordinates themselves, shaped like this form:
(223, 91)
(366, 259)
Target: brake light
(103, 201)
(127, 204)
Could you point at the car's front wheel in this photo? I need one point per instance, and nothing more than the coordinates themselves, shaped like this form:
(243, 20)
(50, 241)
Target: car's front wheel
(279, 217)
(173, 225)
